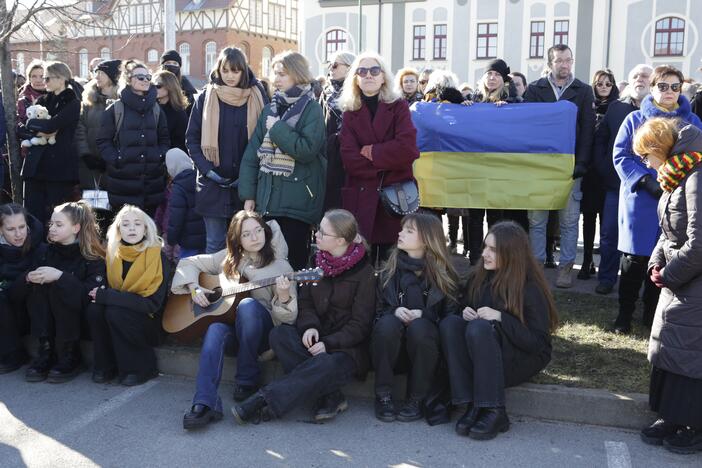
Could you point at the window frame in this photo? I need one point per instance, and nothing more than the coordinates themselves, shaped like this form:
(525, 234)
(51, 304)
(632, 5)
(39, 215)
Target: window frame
(210, 56)
(419, 42)
(335, 42)
(489, 37)
(184, 57)
(442, 45)
(668, 32)
(559, 36)
(538, 49)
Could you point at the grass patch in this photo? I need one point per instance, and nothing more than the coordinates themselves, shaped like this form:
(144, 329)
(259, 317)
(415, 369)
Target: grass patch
(586, 354)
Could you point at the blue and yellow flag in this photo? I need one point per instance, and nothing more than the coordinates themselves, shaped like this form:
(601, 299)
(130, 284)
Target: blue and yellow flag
(518, 156)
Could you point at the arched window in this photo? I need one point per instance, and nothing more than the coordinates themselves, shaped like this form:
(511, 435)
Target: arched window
(246, 49)
(20, 63)
(266, 56)
(105, 53)
(670, 37)
(152, 56)
(184, 51)
(210, 56)
(334, 40)
(83, 63)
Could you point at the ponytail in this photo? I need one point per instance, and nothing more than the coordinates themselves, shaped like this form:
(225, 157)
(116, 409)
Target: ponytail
(91, 247)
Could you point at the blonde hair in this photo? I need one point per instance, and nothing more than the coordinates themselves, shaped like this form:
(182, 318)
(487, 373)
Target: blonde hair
(296, 65)
(176, 97)
(500, 94)
(656, 137)
(114, 236)
(59, 69)
(91, 247)
(350, 99)
(401, 74)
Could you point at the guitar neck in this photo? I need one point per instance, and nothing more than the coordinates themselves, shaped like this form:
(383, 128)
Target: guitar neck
(251, 285)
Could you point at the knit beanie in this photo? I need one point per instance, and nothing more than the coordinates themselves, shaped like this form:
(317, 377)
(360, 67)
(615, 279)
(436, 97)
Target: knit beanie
(110, 68)
(171, 55)
(500, 67)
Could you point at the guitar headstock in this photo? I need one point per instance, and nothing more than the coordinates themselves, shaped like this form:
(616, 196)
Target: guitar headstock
(309, 275)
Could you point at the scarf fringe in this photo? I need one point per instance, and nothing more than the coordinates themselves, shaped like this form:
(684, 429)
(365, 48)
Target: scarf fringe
(676, 168)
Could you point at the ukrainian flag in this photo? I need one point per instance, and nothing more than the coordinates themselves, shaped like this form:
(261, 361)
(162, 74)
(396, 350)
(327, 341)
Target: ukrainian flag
(518, 156)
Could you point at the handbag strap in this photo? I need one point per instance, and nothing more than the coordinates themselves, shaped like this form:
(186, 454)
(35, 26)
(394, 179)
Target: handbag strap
(96, 182)
(382, 178)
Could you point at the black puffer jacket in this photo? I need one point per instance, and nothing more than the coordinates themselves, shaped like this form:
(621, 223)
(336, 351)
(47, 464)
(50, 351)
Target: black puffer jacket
(185, 227)
(136, 169)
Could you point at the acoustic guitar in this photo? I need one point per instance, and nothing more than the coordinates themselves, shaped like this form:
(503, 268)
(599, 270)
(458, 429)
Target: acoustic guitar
(188, 321)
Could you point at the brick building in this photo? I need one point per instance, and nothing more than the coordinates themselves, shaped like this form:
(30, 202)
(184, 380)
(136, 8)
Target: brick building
(133, 29)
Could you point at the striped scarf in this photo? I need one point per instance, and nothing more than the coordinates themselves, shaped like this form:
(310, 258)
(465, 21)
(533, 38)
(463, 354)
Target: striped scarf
(676, 168)
(271, 159)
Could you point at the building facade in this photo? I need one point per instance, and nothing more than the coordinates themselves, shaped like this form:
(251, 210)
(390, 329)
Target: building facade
(464, 35)
(133, 29)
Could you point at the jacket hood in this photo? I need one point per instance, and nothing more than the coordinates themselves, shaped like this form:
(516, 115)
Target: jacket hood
(650, 111)
(92, 94)
(689, 140)
(177, 161)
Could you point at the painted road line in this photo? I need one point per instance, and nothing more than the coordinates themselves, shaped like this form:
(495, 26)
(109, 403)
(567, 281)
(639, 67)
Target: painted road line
(617, 455)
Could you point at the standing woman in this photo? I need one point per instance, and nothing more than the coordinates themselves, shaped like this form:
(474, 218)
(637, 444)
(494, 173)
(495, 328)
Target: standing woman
(173, 103)
(417, 288)
(56, 289)
(592, 204)
(675, 348)
(327, 346)
(338, 69)
(222, 120)
(21, 235)
(503, 336)
(32, 90)
(378, 145)
(255, 250)
(283, 171)
(133, 142)
(407, 83)
(51, 171)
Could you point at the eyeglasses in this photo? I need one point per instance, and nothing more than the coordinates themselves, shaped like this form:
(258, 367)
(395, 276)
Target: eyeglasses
(663, 87)
(141, 77)
(605, 85)
(363, 71)
(322, 234)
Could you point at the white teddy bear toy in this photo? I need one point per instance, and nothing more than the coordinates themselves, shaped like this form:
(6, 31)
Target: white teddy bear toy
(38, 112)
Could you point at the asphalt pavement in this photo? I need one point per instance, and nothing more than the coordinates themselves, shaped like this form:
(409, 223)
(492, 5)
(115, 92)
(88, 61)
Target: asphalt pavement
(83, 424)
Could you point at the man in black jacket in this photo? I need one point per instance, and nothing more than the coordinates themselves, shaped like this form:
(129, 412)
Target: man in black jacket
(639, 88)
(558, 85)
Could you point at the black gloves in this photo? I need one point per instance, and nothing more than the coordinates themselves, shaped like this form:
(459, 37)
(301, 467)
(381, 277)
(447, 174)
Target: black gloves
(221, 181)
(651, 185)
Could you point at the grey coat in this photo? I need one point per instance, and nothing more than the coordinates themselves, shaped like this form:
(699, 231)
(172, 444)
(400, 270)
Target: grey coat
(676, 335)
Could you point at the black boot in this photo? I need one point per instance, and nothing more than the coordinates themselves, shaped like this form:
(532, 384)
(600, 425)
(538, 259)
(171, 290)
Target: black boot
(550, 247)
(249, 410)
(467, 421)
(200, 416)
(490, 422)
(659, 430)
(41, 366)
(411, 411)
(13, 361)
(69, 363)
(586, 270)
(384, 407)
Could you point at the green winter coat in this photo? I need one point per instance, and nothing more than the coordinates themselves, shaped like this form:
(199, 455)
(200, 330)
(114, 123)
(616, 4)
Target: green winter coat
(301, 195)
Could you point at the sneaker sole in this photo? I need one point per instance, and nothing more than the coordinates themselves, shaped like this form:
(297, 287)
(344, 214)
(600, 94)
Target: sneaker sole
(35, 378)
(409, 419)
(198, 423)
(343, 406)
(386, 419)
(239, 420)
(488, 436)
(63, 378)
(683, 450)
(657, 441)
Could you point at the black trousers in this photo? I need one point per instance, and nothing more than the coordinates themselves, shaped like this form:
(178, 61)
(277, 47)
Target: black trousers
(123, 340)
(40, 197)
(633, 275)
(475, 229)
(473, 353)
(520, 217)
(306, 376)
(589, 226)
(12, 326)
(297, 235)
(50, 317)
(413, 348)
(453, 229)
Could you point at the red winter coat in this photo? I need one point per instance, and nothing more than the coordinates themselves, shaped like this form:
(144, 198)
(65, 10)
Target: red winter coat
(394, 141)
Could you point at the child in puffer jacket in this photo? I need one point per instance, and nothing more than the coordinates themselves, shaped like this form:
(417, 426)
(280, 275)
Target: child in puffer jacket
(186, 228)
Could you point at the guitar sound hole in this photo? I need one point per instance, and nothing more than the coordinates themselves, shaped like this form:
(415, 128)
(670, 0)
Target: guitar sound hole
(215, 295)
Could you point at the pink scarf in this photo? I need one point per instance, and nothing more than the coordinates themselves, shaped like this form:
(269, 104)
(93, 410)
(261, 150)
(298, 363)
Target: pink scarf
(334, 266)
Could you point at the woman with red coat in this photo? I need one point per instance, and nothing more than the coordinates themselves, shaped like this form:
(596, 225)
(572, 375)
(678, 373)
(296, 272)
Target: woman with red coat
(378, 144)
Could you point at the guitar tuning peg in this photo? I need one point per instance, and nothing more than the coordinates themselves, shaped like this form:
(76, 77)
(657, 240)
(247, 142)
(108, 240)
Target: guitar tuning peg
(314, 284)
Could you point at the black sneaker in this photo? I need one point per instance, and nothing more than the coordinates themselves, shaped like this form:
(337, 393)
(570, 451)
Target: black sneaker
(385, 408)
(685, 442)
(656, 432)
(249, 410)
(328, 406)
(200, 416)
(411, 411)
(242, 392)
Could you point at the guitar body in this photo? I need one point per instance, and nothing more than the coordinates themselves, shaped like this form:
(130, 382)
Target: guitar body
(188, 321)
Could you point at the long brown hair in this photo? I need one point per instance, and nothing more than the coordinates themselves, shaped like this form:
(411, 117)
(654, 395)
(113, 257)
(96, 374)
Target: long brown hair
(437, 264)
(515, 266)
(91, 247)
(235, 251)
(168, 80)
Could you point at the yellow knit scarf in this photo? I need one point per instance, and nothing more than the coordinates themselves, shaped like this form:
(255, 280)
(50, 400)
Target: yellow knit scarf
(145, 275)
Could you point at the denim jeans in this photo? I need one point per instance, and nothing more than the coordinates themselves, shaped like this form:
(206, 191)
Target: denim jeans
(473, 353)
(306, 376)
(249, 334)
(609, 236)
(216, 233)
(569, 218)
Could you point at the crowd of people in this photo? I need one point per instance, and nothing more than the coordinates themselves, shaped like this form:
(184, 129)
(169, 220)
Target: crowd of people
(145, 183)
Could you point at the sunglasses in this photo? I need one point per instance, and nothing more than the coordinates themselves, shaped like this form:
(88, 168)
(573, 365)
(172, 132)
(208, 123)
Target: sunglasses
(336, 65)
(141, 77)
(644, 159)
(423, 82)
(158, 85)
(663, 87)
(605, 85)
(363, 71)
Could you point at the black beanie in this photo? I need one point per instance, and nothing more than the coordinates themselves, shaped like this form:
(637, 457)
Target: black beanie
(500, 67)
(171, 55)
(110, 68)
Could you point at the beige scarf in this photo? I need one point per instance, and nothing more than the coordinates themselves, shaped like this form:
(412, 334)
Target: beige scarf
(236, 97)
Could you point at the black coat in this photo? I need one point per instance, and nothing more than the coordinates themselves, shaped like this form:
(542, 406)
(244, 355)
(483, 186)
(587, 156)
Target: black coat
(177, 125)
(57, 162)
(336, 176)
(341, 309)
(605, 136)
(582, 96)
(136, 169)
(526, 348)
(185, 227)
